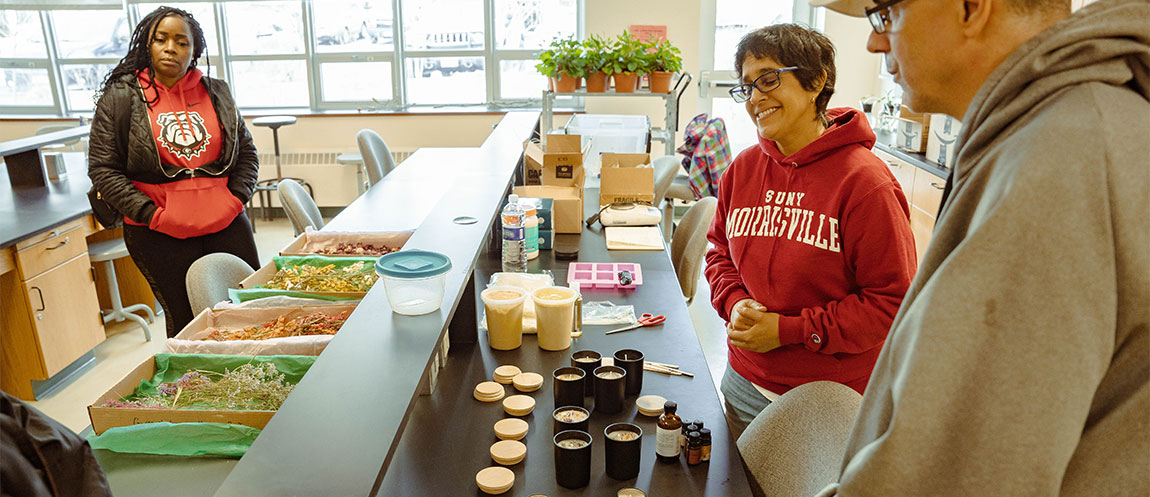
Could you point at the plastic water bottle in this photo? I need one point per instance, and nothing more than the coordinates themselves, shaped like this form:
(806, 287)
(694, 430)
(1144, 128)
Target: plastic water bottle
(514, 236)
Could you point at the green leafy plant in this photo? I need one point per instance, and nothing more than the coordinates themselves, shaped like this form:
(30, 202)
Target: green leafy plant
(663, 56)
(628, 55)
(569, 58)
(597, 52)
(562, 56)
(546, 65)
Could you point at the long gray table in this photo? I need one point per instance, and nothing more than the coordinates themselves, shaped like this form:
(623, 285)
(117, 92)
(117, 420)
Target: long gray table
(447, 440)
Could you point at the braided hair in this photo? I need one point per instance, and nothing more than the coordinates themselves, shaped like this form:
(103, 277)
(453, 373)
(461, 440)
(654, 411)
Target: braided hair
(139, 55)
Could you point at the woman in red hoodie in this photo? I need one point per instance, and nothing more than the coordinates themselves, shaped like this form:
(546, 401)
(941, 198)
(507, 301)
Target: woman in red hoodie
(812, 243)
(169, 151)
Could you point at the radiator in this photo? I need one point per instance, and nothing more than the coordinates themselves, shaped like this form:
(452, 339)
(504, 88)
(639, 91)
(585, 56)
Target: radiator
(333, 184)
(318, 158)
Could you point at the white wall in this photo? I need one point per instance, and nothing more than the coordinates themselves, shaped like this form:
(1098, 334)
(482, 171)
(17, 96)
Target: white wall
(857, 70)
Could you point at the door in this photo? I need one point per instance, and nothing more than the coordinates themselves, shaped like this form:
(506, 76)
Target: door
(724, 24)
(65, 314)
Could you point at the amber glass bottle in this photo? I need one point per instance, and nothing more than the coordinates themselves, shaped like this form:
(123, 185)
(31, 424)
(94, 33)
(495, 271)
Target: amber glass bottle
(670, 426)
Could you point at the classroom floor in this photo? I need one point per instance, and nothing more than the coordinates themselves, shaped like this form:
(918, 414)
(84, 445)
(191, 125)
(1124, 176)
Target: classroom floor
(125, 347)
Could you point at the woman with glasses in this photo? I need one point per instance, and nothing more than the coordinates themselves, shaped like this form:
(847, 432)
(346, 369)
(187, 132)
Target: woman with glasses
(812, 243)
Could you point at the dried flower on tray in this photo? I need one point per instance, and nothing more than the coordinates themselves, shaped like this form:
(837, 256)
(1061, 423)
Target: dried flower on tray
(316, 323)
(357, 248)
(354, 278)
(248, 387)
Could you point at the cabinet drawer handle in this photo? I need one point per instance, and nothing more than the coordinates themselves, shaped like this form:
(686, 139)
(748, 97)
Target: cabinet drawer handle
(893, 164)
(937, 185)
(41, 294)
(58, 245)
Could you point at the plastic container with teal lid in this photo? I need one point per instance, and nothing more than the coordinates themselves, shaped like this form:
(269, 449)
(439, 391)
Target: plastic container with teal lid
(413, 280)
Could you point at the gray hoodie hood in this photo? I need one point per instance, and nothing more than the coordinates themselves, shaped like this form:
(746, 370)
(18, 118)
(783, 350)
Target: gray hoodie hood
(1106, 42)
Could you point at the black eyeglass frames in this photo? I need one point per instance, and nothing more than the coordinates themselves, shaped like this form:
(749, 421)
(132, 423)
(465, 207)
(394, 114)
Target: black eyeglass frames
(879, 15)
(766, 82)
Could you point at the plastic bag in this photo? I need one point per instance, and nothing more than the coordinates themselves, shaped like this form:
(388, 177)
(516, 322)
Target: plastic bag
(526, 281)
(604, 312)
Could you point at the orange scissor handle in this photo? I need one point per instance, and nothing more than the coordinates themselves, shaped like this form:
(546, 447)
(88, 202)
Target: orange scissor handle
(647, 319)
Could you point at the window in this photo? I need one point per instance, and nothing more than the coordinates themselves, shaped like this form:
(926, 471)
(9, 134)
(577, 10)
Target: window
(314, 54)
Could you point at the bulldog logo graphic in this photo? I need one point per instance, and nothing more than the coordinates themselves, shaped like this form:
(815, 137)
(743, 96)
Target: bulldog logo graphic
(185, 135)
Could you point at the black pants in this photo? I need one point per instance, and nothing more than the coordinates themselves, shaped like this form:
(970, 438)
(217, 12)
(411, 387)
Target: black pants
(165, 260)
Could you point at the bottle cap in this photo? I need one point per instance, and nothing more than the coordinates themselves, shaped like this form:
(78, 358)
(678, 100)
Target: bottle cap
(670, 407)
(705, 433)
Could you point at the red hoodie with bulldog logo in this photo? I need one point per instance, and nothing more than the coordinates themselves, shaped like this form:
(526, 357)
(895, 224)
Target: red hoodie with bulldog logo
(187, 134)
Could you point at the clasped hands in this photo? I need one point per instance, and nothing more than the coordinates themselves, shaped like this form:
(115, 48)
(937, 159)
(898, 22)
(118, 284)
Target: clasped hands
(752, 327)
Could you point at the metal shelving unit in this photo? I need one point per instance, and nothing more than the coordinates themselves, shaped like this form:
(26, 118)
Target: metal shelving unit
(671, 101)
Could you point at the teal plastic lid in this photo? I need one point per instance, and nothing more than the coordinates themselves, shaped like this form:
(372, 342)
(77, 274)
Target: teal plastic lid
(412, 264)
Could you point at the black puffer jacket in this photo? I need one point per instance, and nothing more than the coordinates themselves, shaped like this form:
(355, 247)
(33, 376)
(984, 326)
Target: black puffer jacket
(122, 149)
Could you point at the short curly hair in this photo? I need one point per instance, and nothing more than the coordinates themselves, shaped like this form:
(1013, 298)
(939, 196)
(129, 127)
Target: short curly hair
(794, 45)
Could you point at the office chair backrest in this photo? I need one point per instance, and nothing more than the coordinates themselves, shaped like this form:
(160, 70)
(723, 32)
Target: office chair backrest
(666, 168)
(377, 158)
(796, 445)
(689, 243)
(210, 277)
(299, 206)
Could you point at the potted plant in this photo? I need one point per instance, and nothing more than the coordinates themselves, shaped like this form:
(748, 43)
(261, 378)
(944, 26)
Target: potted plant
(597, 53)
(626, 63)
(563, 64)
(570, 63)
(664, 61)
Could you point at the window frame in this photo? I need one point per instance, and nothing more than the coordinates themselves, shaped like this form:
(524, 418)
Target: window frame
(397, 57)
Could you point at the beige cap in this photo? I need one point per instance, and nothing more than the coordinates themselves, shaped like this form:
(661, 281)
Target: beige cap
(853, 8)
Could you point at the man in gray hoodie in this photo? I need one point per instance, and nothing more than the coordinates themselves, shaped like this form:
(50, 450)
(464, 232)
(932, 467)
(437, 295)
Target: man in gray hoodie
(1019, 361)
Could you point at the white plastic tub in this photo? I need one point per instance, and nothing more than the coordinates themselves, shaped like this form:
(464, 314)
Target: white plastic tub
(622, 134)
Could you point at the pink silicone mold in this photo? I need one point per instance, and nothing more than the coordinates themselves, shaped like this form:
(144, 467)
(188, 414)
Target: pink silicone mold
(584, 275)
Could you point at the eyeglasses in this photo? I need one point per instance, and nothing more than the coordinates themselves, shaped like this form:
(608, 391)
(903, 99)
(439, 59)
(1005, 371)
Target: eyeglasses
(766, 82)
(879, 15)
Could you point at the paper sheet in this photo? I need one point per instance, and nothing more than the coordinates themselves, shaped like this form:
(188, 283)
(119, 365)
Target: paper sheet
(634, 238)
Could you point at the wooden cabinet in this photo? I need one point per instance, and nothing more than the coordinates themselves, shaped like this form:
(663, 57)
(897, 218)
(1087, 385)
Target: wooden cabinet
(50, 314)
(923, 192)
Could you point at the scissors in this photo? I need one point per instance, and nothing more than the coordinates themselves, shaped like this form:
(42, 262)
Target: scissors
(645, 320)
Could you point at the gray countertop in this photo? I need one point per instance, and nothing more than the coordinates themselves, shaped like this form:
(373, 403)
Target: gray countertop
(27, 211)
(886, 142)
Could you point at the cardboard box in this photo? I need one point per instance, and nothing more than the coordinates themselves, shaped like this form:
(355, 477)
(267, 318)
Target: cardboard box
(911, 135)
(627, 178)
(558, 165)
(269, 270)
(308, 242)
(940, 144)
(567, 204)
(546, 239)
(104, 418)
(913, 130)
(193, 339)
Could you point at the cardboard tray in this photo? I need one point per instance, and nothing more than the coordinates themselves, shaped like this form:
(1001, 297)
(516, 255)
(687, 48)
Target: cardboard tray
(104, 418)
(269, 270)
(308, 242)
(193, 338)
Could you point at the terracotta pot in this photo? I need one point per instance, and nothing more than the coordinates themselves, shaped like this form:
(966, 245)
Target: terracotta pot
(625, 82)
(550, 84)
(661, 81)
(565, 83)
(596, 82)
(578, 83)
